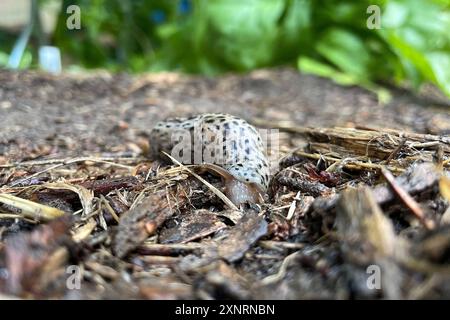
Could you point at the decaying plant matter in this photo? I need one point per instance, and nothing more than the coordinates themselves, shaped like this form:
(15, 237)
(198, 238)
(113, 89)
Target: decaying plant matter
(334, 208)
(84, 214)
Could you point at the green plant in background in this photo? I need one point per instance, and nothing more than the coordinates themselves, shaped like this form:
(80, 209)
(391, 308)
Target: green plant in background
(328, 38)
(115, 34)
(7, 41)
(325, 37)
(419, 36)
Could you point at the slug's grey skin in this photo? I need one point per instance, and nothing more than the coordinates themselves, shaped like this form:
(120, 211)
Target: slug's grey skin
(235, 146)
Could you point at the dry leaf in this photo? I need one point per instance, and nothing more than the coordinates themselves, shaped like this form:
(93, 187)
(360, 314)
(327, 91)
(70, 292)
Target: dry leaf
(84, 231)
(86, 196)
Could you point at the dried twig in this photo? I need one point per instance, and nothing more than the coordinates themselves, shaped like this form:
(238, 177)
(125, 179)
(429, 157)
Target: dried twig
(396, 151)
(31, 209)
(282, 271)
(407, 200)
(348, 164)
(170, 248)
(61, 163)
(216, 191)
(274, 245)
(107, 160)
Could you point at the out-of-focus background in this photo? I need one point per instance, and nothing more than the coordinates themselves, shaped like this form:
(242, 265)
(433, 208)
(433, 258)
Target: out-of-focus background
(407, 44)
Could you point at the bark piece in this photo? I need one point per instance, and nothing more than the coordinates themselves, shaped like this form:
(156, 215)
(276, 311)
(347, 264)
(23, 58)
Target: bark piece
(29, 254)
(241, 237)
(193, 226)
(144, 219)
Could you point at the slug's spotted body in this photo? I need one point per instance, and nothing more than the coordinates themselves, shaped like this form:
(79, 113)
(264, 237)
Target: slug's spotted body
(221, 139)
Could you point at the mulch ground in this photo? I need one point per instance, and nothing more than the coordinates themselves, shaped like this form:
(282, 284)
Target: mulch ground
(357, 186)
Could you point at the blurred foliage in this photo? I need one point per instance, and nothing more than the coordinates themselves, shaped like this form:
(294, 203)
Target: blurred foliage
(325, 37)
(6, 42)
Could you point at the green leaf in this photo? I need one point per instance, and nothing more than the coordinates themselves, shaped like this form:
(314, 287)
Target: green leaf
(417, 31)
(26, 61)
(3, 59)
(414, 61)
(345, 50)
(294, 29)
(243, 33)
(311, 66)
(440, 64)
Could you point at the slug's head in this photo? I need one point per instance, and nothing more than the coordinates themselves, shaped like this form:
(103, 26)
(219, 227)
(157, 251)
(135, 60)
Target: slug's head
(238, 191)
(242, 192)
